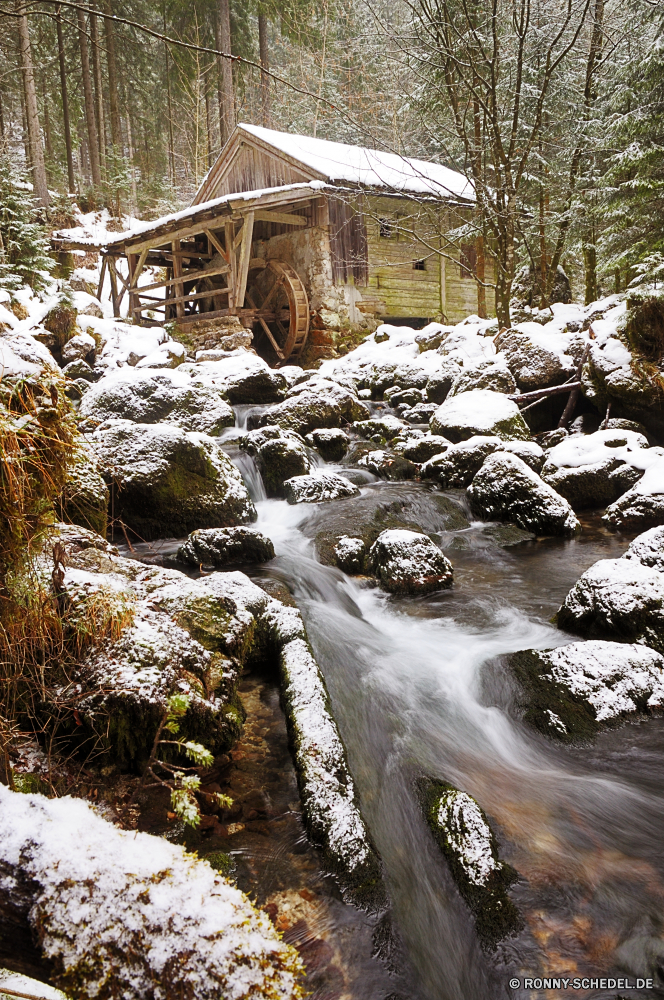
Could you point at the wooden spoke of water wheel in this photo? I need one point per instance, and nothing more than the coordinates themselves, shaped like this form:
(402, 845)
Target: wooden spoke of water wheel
(279, 297)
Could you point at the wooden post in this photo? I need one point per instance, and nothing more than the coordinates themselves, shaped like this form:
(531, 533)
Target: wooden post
(114, 286)
(100, 286)
(245, 257)
(132, 260)
(232, 260)
(177, 273)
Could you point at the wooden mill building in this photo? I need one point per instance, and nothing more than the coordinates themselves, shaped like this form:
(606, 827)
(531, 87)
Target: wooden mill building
(289, 231)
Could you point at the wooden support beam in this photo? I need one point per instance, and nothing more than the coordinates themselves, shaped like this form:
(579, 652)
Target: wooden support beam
(177, 275)
(230, 256)
(245, 257)
(281, 218)
(212, 272)
(267, 330)
(102, 275)
(182, 298)
(133, 281)
(216, 244)
(114, 286)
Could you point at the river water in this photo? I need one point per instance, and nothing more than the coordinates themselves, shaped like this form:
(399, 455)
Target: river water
(418, 687)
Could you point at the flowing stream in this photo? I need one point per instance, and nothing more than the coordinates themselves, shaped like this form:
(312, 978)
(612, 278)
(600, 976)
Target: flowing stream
(417, 687)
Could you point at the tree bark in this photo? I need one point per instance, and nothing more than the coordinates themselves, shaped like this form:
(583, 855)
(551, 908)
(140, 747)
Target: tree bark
(37, 164)
(477, 177)
(171, 144)
(226, 92)
(93, 141)
(99, 90)
(111, 59)
(265, 64)
(65, 104)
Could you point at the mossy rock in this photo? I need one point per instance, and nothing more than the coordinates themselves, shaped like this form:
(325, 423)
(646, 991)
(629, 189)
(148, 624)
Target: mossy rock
(84, 500)
(545, 701)
(496, 916)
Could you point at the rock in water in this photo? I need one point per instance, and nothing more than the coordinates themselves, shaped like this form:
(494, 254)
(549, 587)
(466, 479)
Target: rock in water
(350, 554)
(423, 448)
(158, 922)
(317, 488)
(572, 690)
(386, 465)
(406, 562)
(244, 378)
(617, 599)
(168, 481)
(331, 443)
(642, 506)
(225, 546)
(464, 836)
(280, 455)
(506, 489)
(593, 470)
(150, 397)
(479, 411)
(648, 549)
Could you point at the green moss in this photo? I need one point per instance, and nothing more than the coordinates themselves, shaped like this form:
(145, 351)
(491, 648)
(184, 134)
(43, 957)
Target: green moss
(30, 783)
(541, 694)
(222, 863)
(496, 916)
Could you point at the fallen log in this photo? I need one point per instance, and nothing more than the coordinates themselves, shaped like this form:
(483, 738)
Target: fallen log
(93, 909)
(553, 390)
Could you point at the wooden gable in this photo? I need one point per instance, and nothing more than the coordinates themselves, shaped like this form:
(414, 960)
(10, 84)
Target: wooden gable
(248, 164)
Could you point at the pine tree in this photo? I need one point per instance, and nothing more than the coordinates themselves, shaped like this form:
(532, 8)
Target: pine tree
(24, 250)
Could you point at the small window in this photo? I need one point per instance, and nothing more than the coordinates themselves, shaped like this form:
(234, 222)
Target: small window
(468, 261)
(386, 227)
(419, 265)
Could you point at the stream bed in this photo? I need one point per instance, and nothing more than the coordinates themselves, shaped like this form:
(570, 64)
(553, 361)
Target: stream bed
(418, 688)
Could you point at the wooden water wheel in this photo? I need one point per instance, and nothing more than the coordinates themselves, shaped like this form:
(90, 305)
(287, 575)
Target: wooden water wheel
(279, 297)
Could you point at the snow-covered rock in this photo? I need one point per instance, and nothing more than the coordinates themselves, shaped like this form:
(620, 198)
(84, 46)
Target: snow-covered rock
(80, 369)
(387, 465)
(439, 384)
(244, 378)
(84, 499)
(318, 488)
(593, 470)
(131, 914)
(168, 355)
(464, 836)
(617, 599)
(506, 489)
(487, 375)
(225, 546)
(350, 554)
(643, 505)
(533, 365)
(316, 403)
(407, 562)
(279, 454)
(459, 464)
(573, 689)
(648, 548)
(81, 346)
(330, 443)
(421, 449)
(168, 481)
(386, 427)
(167, 397)
(479, 412)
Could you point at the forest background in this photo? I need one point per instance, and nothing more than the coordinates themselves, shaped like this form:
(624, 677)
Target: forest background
(553, 108)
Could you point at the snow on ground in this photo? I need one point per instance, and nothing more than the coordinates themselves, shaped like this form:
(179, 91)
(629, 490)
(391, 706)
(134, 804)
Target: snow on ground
(590, 449)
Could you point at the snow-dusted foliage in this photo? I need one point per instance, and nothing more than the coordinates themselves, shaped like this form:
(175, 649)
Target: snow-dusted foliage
(132, 916)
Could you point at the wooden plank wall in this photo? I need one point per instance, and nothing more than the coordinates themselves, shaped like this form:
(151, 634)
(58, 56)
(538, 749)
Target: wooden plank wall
(348, 243)
(251, 169)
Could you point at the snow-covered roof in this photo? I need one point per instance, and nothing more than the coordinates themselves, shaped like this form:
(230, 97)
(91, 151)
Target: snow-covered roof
(339, 162)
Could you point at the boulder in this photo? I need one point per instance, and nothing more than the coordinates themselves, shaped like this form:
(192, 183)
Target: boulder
(81, 347)
(648, 549)
(642, 506)
(407, 562)
(421, 449)
(572, 690)
(318, 488)
(312, 404)
(506, 489)
(387, 465)
(244, 378)
(279, 454)
(350, 554)
(166, 397)
(386, 427)
(408, 397)
(168, 355)
(168, 481)
(479, 412)
(439, 384)
(331, 443)
(81, 369)
(533, 366)
(593, 470)
(469, 845)
(617, 599)
(459, 464)
(486, 375)
(419, 414)
(527, 287)
(84, 499)
(225, 547)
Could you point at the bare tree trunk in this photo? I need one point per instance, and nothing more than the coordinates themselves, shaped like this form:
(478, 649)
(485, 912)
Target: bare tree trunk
(99, 90)
(31, 112)
(111, 58)
(134, 193)
(65, 104)
(226, 92)
(171, 145)
(480, 270)
(93, 142)
(265, 64)
(48, 143)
